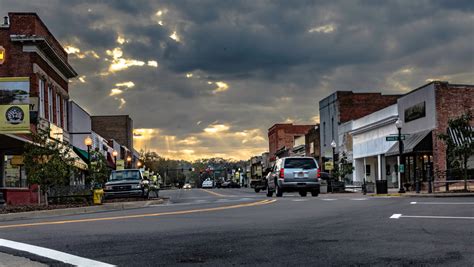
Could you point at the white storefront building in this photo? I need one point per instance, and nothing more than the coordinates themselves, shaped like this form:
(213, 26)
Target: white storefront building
(369, 146)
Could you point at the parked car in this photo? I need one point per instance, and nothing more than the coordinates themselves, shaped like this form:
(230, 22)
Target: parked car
(294, 174)
(186, 186)
(207, 183)
(127, 183)
(230, 184)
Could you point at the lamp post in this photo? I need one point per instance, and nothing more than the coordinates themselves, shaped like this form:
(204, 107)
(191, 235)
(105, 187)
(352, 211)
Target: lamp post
(333, 145)
(115, 154)
(398, 124)
(139, 164)
(129, 162)
(88, 143)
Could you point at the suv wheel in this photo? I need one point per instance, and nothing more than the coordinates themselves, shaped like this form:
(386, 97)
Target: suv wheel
(303, 193)
(278, 191)
(257, 190)
(314, 193)
(269, 192)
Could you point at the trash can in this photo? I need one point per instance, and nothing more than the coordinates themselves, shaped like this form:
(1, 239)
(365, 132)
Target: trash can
(97, 195)
(323, 188)
(381, 186)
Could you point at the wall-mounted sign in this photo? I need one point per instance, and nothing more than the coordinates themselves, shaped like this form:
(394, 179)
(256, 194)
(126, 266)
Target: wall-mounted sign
(120, 164)
(415, 112)
(2, 55)
(328, 166)
(14, 105)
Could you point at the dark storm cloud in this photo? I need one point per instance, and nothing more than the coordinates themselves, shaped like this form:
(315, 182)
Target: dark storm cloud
(278, 58)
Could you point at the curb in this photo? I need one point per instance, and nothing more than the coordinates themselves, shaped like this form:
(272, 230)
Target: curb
(440, 195)
(81, 210)
(386, 195)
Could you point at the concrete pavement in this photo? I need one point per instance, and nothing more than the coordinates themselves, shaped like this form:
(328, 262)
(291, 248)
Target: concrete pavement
(198, 227)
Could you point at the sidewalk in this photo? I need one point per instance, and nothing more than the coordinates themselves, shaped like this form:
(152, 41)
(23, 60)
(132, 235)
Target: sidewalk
(81, 210)
(394, 193)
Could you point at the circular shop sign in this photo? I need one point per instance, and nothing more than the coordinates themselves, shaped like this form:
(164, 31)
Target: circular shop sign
(14, 115)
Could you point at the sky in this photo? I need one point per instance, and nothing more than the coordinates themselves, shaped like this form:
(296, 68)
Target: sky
(208, 78)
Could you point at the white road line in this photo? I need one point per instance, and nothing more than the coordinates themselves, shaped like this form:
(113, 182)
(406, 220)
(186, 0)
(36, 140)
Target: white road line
(299, 200)
(398, 216)
(359, 199)
(442, 203)
(328, 199)
(52, 254)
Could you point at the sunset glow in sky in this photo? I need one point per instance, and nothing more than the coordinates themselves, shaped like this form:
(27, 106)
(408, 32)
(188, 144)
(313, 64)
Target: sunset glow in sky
(208, 78)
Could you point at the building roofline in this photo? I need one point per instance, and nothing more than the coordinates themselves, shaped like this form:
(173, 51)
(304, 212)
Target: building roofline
(42, 23)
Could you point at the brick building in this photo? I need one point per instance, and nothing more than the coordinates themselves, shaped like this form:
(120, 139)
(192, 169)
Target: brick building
(313, 143)
(117, 127)
(282, 136)
(34, 60)
(425, 113)
(338, 109)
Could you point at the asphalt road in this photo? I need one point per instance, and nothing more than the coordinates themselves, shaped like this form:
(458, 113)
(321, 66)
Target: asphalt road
(223, 227)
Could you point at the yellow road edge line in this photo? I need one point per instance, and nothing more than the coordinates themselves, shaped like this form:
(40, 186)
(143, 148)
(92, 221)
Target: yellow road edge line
(263, 202)
(213, 193)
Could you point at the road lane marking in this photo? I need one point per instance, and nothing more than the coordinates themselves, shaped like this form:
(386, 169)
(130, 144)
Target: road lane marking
(359, 199)
(213, 193)
(251, 204)
(52, 254)
(328, 199)
(442, 203)
(398, 216)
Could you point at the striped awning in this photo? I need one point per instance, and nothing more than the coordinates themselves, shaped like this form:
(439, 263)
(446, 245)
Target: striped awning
(409, 144)
(460, 138)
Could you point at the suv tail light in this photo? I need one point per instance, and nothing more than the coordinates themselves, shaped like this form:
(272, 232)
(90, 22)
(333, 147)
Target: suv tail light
(282, 173)
(319, 173)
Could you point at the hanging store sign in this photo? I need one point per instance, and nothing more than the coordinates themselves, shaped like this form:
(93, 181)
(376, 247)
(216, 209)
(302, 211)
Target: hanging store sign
(120, 164)
(15, 105)
(2, 55)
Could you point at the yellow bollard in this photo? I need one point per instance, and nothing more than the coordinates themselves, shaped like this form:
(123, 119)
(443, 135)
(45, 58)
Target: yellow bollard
(97, 196)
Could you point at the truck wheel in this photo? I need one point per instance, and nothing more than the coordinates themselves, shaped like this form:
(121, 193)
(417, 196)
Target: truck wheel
(269, 192)
(257, 190)
(303, 193)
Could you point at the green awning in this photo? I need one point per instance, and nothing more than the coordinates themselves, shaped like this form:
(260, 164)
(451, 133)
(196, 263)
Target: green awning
(81, 153)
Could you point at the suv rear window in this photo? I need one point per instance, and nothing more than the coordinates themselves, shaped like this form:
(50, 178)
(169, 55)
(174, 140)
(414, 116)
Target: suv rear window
(300, 164)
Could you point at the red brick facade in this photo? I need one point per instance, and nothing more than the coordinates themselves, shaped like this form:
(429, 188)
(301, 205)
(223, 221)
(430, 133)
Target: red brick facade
(312, 137)
(353, 106)
(451, 101)
(283, 135)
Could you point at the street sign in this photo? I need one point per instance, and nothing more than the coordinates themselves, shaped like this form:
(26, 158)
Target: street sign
(328, 166)
(401, 168)
(394, 138)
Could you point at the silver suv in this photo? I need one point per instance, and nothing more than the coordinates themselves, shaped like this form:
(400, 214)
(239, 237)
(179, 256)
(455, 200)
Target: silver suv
(294, 174)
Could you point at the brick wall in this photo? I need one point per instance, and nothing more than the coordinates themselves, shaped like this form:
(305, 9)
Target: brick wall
(451, 102)
(357, 105)
(119, 128)
(282, 135)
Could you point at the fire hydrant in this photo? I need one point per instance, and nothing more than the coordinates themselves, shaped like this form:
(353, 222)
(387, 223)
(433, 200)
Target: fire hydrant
(97, 196)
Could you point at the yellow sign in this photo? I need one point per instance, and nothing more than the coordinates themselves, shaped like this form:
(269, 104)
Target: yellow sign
(17, 160)
(120, 164)
(14, 119)
(2, 55)
(328, 166)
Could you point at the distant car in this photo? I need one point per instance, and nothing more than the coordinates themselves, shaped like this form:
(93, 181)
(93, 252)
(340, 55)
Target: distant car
(230, 184)
(186, 186)
(207, 183)
(294, 174)
(127, 183)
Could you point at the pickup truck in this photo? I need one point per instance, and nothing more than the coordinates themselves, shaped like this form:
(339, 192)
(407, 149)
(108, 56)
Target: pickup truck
(127, 183)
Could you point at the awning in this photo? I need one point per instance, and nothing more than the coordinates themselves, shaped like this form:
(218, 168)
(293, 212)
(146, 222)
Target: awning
(81, 153)
(409, 144)
(110, 161)
(78, 162)
(458, 138)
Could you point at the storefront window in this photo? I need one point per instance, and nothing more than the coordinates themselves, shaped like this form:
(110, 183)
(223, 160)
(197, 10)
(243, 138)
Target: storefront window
(15, 175)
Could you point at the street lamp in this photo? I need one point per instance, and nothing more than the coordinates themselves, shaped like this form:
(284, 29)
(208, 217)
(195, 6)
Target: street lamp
(139, 164)
(129, 162)
(398, 124)
(88, 143)
(333, 145)
(115, 154)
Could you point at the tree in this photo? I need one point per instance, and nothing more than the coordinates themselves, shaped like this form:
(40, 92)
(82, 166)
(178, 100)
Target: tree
(343, 167)
(458, 153)
(99, 170)
(47, 162)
